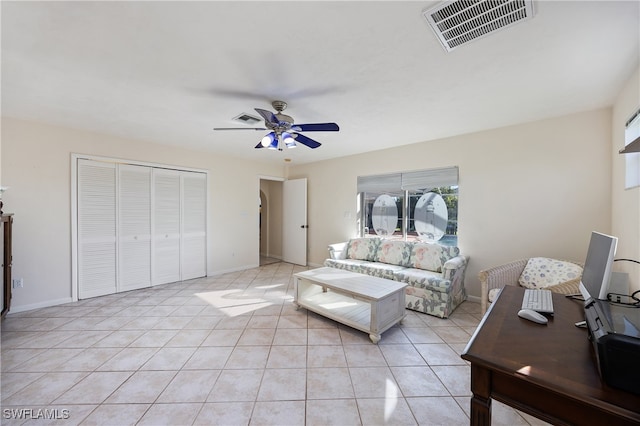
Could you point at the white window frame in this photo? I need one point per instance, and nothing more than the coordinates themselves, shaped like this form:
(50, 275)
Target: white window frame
(402, 184)
(632, 159)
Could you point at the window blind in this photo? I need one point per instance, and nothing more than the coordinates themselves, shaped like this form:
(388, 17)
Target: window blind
(430, 178)
(415, 180)
(380, 183)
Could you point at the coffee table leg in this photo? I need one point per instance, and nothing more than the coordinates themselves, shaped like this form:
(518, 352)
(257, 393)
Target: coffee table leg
(375, 338)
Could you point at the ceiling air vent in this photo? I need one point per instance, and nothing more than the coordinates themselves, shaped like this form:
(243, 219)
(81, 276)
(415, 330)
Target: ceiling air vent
(245, 118)
(461, 21)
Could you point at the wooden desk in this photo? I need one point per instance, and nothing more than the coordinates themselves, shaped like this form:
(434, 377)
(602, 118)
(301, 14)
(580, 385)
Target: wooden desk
(547, 371)
(7, 258)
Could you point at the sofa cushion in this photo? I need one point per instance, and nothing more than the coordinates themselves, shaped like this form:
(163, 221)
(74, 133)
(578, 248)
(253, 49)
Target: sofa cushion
(394, 252)
(374, 269)
(542, 272)
(431, 256)
(349, 264)
(381, 270)
(421, 278)
(363, 248)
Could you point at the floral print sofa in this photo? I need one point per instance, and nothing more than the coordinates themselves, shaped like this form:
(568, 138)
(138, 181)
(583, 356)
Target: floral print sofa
(434, 273)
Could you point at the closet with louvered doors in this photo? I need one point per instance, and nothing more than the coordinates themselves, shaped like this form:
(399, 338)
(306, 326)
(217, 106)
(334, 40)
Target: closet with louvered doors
(138, 226)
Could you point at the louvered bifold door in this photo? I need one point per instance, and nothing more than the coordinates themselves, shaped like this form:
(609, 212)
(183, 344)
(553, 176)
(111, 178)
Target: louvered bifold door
(165, 226)
(134, 230)
(193, 252)
(96, 198)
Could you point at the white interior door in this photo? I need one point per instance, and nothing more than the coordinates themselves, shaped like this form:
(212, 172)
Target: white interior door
(166, 227)
(134, 230)
(194, 225)
(96, 199)
(294, 218)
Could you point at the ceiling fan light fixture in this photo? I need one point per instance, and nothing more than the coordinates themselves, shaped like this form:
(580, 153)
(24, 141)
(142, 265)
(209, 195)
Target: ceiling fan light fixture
(288, 140)
(267, 140)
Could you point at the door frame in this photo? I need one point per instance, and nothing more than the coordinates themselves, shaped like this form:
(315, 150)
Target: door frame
(269, 215)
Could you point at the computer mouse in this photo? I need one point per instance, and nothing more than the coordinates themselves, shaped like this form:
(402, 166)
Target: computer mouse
(531, 315)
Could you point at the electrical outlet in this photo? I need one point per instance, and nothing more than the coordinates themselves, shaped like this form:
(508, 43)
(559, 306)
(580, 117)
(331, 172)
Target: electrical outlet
(17, 282)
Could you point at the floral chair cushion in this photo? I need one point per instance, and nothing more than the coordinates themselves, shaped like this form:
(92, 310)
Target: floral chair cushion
(394, 252)
(431, 256)
(493, 293)
(542, 272)
(363, 248)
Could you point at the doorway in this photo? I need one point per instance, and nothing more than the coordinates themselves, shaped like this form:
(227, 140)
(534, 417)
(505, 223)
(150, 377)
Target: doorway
(283, 220)
(270, 222)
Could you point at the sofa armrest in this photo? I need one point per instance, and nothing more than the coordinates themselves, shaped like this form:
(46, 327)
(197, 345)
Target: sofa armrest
(338, 250)
(498, 277)
(454, 268)
(453, 265)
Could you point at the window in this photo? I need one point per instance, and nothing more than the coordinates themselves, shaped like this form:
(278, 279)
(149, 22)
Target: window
(632, 160)
(416, 205)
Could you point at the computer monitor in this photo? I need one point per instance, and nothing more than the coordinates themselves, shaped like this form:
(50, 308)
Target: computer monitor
(596, 274)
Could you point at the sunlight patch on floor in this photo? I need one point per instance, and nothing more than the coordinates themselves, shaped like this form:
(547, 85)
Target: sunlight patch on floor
(390, 399)
(234, 302)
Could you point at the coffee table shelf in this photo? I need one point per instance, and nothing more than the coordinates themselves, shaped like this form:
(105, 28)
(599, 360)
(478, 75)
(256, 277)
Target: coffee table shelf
(366, 303)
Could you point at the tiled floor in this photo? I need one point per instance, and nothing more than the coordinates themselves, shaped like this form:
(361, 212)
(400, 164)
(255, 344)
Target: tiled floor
(231, 350)
(264, 260)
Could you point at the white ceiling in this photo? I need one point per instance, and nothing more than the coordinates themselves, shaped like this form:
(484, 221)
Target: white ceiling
(169, 72)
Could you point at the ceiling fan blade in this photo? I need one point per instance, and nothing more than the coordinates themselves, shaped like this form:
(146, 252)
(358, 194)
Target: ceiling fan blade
(316, 127)
(239, 128)
(268, 116)
(306, 141)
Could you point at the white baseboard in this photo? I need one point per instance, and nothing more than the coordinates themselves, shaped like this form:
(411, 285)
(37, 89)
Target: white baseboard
(226, 271)
(272, 256)
(45, 304)
(474, 299)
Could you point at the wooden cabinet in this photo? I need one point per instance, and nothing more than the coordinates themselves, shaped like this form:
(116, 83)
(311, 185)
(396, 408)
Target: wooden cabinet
(7, 257)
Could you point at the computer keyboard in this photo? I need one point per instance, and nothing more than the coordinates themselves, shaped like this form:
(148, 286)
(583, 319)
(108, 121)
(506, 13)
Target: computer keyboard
(538, 300)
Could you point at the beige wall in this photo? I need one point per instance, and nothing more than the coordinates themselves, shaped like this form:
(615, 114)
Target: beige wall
(526, 190)
(536, 189)
(625, 203)
(36, 165)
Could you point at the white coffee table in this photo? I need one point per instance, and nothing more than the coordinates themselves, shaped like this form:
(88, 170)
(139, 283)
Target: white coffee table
(363, 302)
